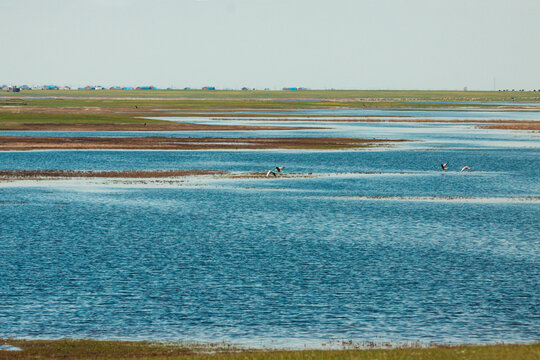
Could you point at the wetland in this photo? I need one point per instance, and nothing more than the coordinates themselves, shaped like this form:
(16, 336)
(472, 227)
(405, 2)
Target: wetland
(172, 231)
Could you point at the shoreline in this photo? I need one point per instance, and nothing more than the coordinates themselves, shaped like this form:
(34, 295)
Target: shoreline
(111, 349)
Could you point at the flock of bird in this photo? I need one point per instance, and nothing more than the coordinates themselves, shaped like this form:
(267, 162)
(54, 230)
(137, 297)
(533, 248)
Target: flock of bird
(445, 165)
(279, 169)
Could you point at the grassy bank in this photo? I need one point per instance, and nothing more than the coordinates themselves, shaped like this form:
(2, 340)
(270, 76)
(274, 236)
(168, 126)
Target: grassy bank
(92, 349)
(105, 120)
(68, 118)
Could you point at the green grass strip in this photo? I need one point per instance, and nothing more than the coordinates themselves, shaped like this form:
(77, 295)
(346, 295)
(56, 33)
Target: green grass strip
(93, 349)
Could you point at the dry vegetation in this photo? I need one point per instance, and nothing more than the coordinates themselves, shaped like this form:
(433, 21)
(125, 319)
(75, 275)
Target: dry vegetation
(130, 174)
(176, 143)
(521, 125)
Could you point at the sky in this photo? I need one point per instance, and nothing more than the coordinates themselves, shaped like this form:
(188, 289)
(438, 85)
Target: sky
(341, 44)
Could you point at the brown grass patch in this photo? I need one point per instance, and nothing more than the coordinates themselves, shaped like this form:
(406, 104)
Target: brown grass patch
(172, 143)
(130, 174)
(525, 125)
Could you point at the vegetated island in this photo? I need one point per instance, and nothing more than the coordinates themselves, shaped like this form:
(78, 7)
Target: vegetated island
(94, 349)
(172, 175)
(15, 174)
(11, 143)
(514, 125)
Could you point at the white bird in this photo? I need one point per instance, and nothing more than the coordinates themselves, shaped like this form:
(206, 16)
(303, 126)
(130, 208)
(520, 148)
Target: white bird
(279, 168)
(443, 166)
(270, 172)
(466, 167)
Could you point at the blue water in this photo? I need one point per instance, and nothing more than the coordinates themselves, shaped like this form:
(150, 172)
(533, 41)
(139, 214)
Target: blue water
(380, 246)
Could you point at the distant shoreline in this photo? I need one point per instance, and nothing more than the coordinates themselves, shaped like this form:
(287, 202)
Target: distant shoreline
(362, 95)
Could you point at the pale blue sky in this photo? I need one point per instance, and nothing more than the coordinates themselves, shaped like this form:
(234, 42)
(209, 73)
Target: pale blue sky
(362, 44)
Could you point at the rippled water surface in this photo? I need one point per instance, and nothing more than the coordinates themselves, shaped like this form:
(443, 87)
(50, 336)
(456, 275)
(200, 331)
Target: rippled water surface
(378, 245)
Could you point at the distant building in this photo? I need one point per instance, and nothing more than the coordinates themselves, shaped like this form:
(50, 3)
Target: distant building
(294, 89)
(209, 88)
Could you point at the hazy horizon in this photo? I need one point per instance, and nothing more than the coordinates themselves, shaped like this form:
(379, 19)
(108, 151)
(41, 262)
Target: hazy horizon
(344, 44)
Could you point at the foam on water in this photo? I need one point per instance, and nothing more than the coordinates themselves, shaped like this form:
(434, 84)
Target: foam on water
(458, 199)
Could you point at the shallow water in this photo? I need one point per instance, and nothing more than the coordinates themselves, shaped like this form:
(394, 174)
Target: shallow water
(422, 135)
(425, 113)
(378, 246)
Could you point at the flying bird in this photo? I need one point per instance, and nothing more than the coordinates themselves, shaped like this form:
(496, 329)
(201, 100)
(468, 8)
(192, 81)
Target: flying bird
(270, 172)
(443, 166)
(466, 167)
(279, 168)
